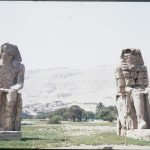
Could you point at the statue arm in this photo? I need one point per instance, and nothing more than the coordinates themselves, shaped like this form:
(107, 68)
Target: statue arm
(146, 76)
(129, 89)
(20, 79)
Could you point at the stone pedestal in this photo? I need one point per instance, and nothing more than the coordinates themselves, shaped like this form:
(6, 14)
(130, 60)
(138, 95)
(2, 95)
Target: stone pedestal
(10, 135)
(142, 134)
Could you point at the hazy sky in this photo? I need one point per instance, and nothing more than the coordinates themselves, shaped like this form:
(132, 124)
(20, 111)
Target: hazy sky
(75, 34)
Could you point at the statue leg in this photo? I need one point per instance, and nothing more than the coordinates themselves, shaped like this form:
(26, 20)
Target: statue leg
(139, 107)
(1, 111)
(10, 103)
(131, 114)
(148, 110)
(118, 127)
(121, 121)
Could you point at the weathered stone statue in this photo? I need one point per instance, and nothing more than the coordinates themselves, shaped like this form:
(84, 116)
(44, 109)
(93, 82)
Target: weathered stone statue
(132, 97)
(11, 80)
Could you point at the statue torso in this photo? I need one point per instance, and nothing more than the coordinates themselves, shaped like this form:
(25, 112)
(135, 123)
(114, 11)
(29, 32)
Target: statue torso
(7, 76)
(135, 77)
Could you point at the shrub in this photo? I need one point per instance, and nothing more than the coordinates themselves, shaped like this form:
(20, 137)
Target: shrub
(56, 119)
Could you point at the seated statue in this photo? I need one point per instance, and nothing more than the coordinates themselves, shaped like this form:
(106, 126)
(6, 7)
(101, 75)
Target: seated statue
(132, 95)
(11, 80)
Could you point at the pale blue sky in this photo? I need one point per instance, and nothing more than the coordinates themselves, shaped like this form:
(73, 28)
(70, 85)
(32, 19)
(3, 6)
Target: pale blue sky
(75, 34)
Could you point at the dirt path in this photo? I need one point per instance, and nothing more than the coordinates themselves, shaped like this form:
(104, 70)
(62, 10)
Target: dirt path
(124, 147)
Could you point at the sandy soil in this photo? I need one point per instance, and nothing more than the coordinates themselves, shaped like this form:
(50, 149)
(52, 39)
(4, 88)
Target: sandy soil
(124, 147)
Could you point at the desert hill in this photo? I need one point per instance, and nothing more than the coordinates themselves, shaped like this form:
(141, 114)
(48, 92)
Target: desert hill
(49, 89)
(60, 86)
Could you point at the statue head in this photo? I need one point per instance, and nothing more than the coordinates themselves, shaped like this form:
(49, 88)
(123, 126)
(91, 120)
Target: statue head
(9, 53)
(131, 57)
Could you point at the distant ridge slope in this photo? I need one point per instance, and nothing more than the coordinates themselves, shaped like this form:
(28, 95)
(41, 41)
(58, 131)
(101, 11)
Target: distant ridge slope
(92, 85)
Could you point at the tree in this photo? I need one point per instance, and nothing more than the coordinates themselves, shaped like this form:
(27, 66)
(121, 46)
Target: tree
(62, 112)
(88, 115)
(66, 115)
(106, 113)
(75, 112)
(99, 107)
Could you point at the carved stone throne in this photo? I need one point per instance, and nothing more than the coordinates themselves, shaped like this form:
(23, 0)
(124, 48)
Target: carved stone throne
(16, 115)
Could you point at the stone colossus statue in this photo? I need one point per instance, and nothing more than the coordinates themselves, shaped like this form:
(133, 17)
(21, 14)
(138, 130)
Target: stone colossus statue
(132, 96)
(11, 80)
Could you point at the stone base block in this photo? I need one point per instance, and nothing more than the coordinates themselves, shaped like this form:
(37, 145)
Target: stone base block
(142, 134)
(10, 135)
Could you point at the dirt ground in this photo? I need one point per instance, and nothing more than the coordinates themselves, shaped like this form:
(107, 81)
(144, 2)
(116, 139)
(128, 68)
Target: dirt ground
(124, 147)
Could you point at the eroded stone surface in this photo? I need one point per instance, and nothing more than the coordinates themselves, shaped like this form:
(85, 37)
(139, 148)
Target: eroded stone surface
(132, 95)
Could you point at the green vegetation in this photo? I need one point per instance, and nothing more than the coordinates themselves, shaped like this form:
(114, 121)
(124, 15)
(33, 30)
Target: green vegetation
(76, 113)
(106, 113)
(56, 119)
(43, 135)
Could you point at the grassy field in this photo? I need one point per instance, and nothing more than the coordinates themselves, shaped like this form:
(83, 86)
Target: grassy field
(43, 135)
